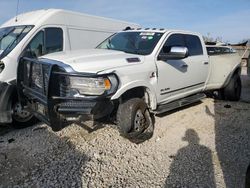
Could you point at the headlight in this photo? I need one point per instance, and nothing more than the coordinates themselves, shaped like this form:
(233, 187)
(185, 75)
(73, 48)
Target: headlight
(93, 86)
(1, 66)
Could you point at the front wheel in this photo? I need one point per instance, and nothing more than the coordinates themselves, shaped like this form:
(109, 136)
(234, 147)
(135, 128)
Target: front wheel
(21, 117)
(232, 91)
(134, 120)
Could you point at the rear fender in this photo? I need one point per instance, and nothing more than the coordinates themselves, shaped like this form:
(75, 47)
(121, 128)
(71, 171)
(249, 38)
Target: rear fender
(236, 70)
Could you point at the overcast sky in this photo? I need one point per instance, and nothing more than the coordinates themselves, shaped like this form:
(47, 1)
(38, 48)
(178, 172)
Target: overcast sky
(229, 19)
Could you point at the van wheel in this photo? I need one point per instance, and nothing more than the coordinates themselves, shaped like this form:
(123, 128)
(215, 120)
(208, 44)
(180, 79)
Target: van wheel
(232, 91)
(134, 120)
(21, 118)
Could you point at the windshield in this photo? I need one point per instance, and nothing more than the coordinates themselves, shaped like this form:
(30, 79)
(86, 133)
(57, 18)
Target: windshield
(135, 42)
(10, 37)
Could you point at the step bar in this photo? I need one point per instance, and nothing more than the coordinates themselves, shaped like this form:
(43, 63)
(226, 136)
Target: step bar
(179, 103)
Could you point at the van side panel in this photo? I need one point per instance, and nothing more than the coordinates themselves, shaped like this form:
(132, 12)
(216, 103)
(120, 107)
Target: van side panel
(80, 38)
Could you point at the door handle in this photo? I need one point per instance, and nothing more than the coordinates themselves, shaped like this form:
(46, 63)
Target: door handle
(205, 63)
(184, 66)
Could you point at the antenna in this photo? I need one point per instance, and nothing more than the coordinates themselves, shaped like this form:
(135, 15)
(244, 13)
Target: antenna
(17, 6)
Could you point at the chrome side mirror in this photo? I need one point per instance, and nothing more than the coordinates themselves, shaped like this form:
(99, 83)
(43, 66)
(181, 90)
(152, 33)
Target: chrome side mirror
(176, 52)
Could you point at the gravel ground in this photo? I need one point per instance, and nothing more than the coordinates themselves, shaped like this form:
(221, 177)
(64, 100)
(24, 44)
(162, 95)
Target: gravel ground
(203, 145)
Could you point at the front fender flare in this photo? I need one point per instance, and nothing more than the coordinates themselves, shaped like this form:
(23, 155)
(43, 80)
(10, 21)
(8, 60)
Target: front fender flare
(148, 88)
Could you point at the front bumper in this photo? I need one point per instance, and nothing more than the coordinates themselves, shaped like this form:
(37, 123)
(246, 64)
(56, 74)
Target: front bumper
(49, 106)
(60, 113)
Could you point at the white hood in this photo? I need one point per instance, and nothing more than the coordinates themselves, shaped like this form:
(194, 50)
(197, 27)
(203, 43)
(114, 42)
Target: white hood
(95, 60)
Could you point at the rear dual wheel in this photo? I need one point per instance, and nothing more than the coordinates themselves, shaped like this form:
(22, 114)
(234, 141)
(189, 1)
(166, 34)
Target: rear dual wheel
(232, 91)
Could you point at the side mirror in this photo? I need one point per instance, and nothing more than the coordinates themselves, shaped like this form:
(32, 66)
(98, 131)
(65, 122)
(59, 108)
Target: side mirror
(176, 52)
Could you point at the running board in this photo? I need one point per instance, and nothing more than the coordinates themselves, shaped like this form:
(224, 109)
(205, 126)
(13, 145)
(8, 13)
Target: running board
(179, 103)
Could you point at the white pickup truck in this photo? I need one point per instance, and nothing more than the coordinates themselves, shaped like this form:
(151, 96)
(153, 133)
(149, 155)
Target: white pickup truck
(131, 75)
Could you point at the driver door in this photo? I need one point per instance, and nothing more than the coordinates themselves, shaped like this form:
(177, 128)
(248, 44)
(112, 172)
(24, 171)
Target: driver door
(182, 77)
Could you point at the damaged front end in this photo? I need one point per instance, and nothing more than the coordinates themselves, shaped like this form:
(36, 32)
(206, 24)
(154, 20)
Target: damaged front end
(59, 96)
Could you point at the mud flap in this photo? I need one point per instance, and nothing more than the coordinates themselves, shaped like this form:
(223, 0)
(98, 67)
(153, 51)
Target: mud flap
(6, 93)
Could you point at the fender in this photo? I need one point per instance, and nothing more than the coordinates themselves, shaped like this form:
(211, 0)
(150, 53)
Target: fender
(6, 93)
(134, 84)
(236, 69)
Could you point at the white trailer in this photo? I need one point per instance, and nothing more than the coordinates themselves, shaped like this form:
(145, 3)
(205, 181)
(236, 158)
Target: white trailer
(41, 32)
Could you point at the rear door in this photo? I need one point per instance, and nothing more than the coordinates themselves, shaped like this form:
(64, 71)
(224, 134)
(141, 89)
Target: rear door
(180, 78)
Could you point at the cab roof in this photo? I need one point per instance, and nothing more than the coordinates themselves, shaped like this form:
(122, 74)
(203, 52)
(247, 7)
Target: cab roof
(160, 30)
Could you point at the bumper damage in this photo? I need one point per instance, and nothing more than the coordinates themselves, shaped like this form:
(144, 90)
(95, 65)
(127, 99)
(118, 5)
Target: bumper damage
(48, 100)
(59, 114)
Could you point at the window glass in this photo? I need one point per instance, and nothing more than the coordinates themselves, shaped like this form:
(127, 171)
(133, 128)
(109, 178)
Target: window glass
(35, 47)
(135, 42)
(53, 40)
(10, 37)
(193, 44)
(47, 41)
(219, 50)
(173, 40)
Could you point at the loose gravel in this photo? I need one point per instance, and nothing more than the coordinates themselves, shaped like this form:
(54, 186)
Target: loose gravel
(203, 145)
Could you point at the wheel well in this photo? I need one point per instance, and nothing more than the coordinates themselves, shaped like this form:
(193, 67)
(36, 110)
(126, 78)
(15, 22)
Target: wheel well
(237, 71)
(138, 92)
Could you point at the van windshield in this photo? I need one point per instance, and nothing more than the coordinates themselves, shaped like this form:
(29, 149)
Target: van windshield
(10, 37)
(134, 42)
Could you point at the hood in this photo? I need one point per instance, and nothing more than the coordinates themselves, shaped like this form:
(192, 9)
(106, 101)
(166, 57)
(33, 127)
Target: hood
(95, 60)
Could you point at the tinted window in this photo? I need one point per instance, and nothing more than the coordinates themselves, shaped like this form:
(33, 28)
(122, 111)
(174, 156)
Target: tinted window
(193, 44)
(44, 42)
(135, 42)
(173, 40)
(35, 47)
(53, 40)
(219, 50)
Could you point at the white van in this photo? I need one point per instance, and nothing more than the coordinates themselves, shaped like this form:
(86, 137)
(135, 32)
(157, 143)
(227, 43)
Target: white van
(41, 32)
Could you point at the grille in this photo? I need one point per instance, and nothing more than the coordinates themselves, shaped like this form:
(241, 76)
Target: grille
(37, 76)
(64, 86)
(46, 71)
(77, 104)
